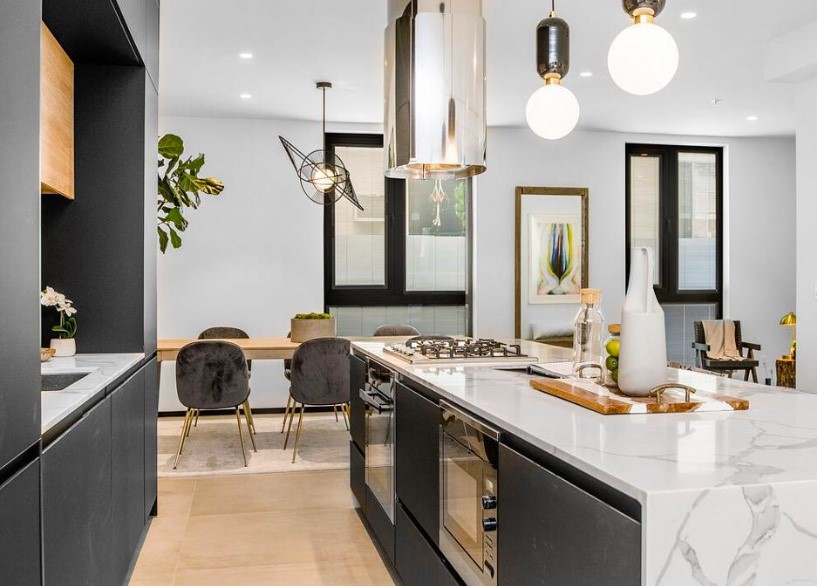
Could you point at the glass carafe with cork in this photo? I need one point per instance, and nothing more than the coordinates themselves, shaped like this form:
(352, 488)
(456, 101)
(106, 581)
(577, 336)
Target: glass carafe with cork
(588, 328)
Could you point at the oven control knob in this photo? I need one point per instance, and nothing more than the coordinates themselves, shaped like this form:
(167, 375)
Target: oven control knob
(488, 502)
(489, 524)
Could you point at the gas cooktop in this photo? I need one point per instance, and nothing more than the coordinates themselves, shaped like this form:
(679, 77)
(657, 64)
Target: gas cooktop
(440, 349)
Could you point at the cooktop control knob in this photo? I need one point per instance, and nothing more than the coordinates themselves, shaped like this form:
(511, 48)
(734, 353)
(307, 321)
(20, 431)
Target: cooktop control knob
(489, 524)
(488, 502)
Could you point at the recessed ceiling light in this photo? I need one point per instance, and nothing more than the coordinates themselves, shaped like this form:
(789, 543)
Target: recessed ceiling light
(752, 118)
(688, 15)
(246, 96)
(586, 74)
(246, 55)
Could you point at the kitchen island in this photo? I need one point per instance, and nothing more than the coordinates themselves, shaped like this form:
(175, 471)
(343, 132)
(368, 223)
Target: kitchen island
(713, 498)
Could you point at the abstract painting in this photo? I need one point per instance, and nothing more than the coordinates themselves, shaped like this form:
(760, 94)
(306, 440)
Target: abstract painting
(555, 274)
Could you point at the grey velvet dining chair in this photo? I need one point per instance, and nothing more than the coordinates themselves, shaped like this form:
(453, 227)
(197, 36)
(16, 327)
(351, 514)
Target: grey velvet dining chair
(396, 330)
(228, 333)
(320, 376)
(212, 375)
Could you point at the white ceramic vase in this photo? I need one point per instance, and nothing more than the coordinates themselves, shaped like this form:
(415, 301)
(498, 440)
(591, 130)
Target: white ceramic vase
(64, 346)
(643, 357)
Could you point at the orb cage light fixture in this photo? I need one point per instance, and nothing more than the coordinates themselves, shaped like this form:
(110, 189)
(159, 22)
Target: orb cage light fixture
(323, 176)
(643, 58)
(552, 111)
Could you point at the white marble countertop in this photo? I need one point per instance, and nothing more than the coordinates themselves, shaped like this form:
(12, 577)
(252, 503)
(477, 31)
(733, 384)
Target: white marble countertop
(103, 369)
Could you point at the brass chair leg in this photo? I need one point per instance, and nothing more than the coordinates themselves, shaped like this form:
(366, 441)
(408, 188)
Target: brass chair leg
(196, 423)
(248, 417)
(298, 433)
(292, 416)
(286, 412)
(345, 418)
(335, 409)
(193, 414)
(187, 418)
(241, 436)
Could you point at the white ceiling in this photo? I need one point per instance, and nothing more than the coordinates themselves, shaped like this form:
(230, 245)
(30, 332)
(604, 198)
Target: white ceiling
(298, 42)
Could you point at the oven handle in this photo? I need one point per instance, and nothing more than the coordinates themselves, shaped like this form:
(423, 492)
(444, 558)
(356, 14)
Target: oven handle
(469, 420)
(369, 399)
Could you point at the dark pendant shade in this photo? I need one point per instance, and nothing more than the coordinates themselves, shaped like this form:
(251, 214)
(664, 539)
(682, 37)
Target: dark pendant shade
(553, 47)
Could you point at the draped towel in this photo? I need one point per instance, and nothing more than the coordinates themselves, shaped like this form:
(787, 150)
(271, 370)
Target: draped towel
(720, 336)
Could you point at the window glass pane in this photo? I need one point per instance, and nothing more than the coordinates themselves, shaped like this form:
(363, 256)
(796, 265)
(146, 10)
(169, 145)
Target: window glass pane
(645, 193)
(449, 320)
(697, 221)
(436, 239)
(360, 237)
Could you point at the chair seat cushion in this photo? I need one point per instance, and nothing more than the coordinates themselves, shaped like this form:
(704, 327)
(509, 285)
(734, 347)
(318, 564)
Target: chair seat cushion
(731, 364)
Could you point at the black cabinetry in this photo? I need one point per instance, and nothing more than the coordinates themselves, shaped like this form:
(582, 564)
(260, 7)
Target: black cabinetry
(357, 408)
(417, 458)
(151, 413)
(20, 527)
(551, 532)
(127, 471)
(357, 474)
(77, 502)
(417, 562)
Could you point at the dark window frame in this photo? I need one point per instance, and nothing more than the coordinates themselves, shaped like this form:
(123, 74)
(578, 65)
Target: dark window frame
(667, 291)
(394, 292)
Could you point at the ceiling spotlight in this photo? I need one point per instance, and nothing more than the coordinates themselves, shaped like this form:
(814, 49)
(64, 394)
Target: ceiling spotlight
(716, 102)
(552, 111)
(688, 15)
(246, 55)
(643, 58)
(751, 118)
(586, 74)
(245, 96)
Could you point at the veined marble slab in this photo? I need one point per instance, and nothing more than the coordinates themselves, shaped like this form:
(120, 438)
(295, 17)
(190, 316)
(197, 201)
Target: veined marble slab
(727, 498)
(103, 369)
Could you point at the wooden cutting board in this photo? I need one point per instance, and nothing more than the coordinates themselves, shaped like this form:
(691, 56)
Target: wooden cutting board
(611, 401)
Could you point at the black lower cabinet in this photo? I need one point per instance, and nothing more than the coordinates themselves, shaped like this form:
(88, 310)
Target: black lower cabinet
(77, 507)
(416, 560)
(127, 471)
(151, 409)
(381, 525)
(551, 532)
(20, 527)
(417, 458)
(357, 474)
(357, 409)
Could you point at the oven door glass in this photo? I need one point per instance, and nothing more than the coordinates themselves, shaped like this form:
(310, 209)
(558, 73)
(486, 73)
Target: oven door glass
(462, 497)
(379, 450)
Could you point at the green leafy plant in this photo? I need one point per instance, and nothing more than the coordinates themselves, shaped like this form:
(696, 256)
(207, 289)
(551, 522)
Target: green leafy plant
(67, 327)
(312, 316)
(180, 187)
(459, 203)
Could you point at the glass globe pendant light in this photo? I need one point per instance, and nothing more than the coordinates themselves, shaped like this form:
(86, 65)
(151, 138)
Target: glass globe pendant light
(643, 58)
(552, 111)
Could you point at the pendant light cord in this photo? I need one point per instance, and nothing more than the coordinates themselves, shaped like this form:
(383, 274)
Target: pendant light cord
(323, 89)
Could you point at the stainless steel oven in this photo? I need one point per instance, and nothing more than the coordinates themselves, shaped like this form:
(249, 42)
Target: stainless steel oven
(468, 493)
(378, 396)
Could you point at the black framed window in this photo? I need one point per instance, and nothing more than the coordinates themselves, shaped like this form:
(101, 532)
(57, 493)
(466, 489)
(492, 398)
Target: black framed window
(410, 247)
(674, 200)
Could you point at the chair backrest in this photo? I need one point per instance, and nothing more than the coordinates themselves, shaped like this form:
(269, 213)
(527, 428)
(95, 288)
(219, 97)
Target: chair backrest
(700, 336)
(320, 372)
(225, 333)
(212, 374)
(392, 330)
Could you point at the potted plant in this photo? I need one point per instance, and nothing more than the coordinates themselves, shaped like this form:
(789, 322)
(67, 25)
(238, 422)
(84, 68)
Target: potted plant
(306, 326)
(65, 344)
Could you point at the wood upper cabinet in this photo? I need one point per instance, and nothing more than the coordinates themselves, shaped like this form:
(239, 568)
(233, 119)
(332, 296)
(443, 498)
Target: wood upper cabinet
(56, 117)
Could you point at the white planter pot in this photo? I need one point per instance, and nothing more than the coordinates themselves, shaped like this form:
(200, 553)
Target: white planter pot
(64, 347)
(307, 329)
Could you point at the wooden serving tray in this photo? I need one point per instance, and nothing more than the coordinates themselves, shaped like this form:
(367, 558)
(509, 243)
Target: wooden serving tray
(611, 401)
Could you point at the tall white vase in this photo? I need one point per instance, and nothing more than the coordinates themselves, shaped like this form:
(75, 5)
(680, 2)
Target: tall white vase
(643, 357)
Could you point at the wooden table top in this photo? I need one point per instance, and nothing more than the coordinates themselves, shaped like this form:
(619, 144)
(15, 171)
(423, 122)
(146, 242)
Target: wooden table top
(254, 348)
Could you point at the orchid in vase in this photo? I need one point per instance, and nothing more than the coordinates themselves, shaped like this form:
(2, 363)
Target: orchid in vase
(65, 345)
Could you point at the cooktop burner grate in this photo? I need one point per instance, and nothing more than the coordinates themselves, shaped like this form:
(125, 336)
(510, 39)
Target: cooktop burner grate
(457, 349)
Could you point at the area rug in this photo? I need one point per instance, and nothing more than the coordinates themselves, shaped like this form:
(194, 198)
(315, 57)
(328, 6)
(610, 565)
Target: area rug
(213, 447)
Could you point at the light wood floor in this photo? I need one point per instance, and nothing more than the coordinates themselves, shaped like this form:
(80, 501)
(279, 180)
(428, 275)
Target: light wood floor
(293, 528)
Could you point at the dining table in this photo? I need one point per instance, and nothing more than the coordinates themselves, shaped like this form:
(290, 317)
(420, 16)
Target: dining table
(254, 348)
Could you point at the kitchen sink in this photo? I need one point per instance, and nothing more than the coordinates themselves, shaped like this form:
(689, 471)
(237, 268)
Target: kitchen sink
(57, 382)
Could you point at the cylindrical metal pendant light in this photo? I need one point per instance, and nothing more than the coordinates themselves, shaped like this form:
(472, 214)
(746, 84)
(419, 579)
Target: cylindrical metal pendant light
(435, 89)
(552, 111)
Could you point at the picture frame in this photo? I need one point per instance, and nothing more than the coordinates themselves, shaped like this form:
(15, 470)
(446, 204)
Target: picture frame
(551, 248)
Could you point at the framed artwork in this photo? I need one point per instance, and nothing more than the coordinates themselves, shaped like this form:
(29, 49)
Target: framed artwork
(551, 250)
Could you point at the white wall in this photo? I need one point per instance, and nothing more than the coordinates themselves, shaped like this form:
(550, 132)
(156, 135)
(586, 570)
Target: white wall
(806, 235)
(760, 243)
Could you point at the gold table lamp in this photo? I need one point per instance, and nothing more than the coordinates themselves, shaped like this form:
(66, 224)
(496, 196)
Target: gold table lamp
(790, 320)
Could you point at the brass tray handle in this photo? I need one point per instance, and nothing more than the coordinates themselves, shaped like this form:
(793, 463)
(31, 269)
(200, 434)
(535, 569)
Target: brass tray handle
(658, 391)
